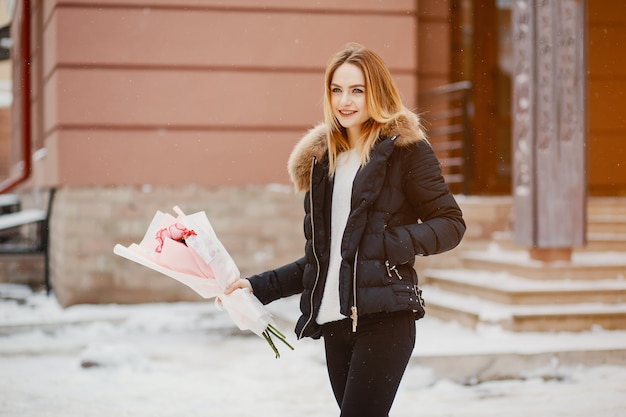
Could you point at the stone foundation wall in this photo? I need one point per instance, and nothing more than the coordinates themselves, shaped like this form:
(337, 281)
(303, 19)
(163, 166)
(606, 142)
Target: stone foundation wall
(23, 269)
(261, 227)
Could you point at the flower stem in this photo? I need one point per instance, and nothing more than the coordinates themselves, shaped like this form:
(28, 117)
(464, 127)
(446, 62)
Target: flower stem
(268, 338)
(277, 333)
(267, 335)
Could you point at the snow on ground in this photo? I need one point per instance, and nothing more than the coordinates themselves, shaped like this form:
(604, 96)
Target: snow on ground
(187, 359)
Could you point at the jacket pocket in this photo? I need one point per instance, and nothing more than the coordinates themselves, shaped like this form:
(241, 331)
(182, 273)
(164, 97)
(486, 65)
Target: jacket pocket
(398, 246)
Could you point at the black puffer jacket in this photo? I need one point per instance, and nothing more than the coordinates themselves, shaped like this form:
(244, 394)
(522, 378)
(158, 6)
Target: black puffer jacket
(401, 207)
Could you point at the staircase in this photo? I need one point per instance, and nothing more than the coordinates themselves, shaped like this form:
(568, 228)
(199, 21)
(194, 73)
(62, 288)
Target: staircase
(498, 284)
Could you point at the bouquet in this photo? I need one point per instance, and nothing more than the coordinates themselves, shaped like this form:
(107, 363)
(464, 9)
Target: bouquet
(187, 249)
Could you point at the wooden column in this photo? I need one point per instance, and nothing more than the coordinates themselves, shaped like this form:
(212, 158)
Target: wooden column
(549, 126)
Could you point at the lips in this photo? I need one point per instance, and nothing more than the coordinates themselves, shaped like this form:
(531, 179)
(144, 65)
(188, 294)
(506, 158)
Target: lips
(347, 112)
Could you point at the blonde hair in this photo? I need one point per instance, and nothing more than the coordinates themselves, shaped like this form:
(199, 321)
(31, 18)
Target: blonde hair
(381, 95)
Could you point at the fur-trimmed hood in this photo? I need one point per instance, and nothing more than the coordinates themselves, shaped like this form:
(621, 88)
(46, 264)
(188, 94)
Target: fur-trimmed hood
(314, 144)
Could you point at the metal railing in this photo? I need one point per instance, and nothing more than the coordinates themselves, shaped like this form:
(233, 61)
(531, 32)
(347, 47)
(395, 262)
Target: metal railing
(446, 113)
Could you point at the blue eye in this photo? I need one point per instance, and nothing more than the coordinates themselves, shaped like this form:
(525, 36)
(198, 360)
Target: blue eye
(335, 90)
(358, 90)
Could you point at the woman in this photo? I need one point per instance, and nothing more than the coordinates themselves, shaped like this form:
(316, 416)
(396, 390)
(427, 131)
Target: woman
(374, 199)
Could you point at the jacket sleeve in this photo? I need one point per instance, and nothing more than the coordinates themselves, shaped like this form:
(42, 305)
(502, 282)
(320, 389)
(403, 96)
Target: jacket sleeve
(278, 283)
(440, 226)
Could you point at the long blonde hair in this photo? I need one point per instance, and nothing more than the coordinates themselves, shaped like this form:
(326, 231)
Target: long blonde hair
(381, 95)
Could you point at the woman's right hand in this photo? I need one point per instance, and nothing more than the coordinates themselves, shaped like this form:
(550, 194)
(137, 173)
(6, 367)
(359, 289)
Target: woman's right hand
(240, 283)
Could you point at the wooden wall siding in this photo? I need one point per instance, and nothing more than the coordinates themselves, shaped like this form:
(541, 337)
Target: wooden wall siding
(221, 85)
(606, 97)
(549, 124)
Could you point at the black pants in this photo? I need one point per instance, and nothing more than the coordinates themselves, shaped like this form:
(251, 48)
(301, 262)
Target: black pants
(366, 367)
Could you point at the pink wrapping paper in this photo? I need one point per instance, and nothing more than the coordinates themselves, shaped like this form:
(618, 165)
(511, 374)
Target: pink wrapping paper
(202, 263)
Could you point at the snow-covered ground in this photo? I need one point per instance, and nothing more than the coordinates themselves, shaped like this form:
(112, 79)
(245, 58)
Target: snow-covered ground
(187, 359)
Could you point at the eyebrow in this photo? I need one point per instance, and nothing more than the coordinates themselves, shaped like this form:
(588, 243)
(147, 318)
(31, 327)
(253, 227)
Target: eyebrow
(350, 86)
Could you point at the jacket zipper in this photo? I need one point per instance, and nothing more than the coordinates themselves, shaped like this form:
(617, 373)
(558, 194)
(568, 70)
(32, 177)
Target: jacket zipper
(317, 261)
(355, 314)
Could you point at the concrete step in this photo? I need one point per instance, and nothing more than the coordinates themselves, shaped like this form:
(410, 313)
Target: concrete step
(606, 206)
(596, 242)
(583, 266)
(606, 226)
(472, 311)
(489, 353)
(504, 288)
(489, 214)
(606, 242)
(485, 215)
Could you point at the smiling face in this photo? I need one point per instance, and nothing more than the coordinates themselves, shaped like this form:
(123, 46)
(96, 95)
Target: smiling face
(349, 104)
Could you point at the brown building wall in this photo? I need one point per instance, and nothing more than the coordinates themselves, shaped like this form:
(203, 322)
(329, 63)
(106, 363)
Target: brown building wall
(136, 92)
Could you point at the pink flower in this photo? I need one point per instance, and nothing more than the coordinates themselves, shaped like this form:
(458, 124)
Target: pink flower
(176, 232)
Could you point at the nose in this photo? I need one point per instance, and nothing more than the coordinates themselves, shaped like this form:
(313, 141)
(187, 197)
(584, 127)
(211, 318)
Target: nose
(345, 99)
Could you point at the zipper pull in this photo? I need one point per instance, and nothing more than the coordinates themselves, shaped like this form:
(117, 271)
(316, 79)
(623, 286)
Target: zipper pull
(355, 318)
(392, 268)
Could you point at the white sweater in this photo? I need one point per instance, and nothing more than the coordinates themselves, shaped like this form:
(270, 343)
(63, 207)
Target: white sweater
(348, 164)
